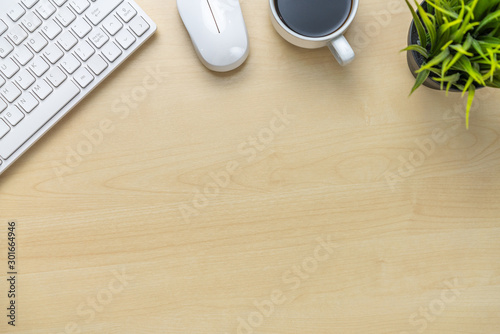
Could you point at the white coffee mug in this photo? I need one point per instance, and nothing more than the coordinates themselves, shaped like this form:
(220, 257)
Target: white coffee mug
(335, 41)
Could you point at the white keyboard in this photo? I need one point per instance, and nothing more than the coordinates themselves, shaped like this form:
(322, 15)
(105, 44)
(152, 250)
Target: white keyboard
(52, 54)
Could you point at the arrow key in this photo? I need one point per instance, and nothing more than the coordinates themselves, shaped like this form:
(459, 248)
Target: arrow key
(112, 25)
(139, 26)
(125, 39)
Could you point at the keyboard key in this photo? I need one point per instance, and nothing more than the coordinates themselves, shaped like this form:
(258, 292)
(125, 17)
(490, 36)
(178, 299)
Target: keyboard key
(23, 55)
(97, 64)
(60, 2)
(81, 27)
(39, 66)
(5, 47)
(27, 102)
(99, 11)
(13, 116)
(65, 16)
(98, 38)
(10, 92)
(51, 29)
(53, 53)
(42, 89)
(112, 25)
(126, 12)
(16, 12)
(79, 5)
(45, 9)
(83, 77)
(84, 50)
(8, 67)
(3, 27)
(67, 41)
(4, 129)
(70, 63)
(37, 42)
(111, 52)
(56, 76)
(29, 3)
(31, 22)
(3, 105)
(11, 142)
(17, 34)
(125, 39)
(24, 79)
(139, 26)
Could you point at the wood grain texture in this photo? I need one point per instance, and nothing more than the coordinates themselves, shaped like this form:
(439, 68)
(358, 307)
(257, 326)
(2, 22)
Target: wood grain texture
(406, 194)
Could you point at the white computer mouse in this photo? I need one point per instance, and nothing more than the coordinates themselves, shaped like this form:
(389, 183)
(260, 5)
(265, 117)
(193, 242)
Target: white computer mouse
(218, 32)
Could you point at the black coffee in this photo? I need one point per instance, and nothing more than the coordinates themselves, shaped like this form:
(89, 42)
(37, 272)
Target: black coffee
(314, 18)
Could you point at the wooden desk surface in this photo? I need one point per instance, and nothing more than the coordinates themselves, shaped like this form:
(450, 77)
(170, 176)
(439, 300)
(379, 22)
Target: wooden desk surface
(349, 207)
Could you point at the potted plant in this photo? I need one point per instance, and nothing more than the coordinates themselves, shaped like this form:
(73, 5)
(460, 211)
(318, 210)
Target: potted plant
(453, 45)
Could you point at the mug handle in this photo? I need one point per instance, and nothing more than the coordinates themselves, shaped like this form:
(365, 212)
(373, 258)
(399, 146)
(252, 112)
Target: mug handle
(342, 51)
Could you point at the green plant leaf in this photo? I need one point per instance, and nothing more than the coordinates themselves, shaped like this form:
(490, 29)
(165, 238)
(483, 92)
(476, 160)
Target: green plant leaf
(468, 42)
(478, 48)
(429, 26)
(460, 49)
(492, 41)
(465, 26)
(450, 78)
(467, 85)
(470, 100)
(461, 18)
(422, 36)
(464, 64)
(483, 7)
(495, 32)
(442, 10)
(495, 83)
(443, 68)
(421, 77)
(435, 71)
(489, 19)
(436, 60)
(448, 87)
(446, 45)
(452, 63)
(494, 66)
(418, 49)
(448, 25)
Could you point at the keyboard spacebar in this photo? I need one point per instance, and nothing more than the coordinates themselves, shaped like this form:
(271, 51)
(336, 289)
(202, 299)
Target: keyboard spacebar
(37, 118)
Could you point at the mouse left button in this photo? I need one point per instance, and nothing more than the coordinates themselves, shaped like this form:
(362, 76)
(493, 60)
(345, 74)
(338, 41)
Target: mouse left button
(197, 17)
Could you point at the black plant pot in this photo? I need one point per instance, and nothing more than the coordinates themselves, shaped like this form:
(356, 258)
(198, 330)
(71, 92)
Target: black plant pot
(415, 59)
